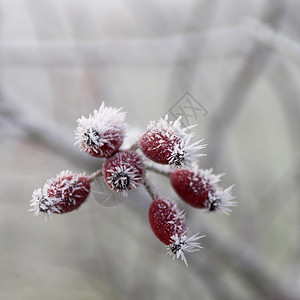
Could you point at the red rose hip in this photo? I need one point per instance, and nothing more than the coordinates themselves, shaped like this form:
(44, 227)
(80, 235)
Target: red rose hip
(64, 193)
(199, 188)
(169, 225)
(123, 171)
(165, 142)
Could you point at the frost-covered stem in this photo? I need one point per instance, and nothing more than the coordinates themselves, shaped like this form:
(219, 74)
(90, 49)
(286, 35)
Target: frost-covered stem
(134, 147)
(166, 173)
(94, 175)
(149, 188)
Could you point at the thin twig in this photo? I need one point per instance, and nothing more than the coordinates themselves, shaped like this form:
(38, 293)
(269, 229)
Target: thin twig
(95, 53)
(166, 173)
(94, 175)
(149, 188)
(134, 147)
(246, 77)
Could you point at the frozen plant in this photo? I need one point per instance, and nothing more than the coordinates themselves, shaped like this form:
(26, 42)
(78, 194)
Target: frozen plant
(164, 143)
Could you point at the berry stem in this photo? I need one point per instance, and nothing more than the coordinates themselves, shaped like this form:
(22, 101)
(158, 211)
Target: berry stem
(166, 173)
(149, 188)
(134, 147)
(94, 175)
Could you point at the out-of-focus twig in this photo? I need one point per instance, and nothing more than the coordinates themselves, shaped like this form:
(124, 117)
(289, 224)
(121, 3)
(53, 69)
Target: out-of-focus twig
(58, 142)
(184, 71)
(289, 93)
(247, 263)
(137, 51)
(252, 68)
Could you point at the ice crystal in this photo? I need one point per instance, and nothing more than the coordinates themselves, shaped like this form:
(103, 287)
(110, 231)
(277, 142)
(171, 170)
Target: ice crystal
(123, 178)
(207, 176)
(220, 199)
(186, 153)
(182, 244)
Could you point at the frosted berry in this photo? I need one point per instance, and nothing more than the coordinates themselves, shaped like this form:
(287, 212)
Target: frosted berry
(62, 194)
(123, 171)
(102, 133)
(200, 189)
(169, 225)
(165, 142)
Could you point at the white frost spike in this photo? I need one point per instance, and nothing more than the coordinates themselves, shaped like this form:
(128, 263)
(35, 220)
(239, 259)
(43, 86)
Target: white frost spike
(185, 153)
(163, 124)
(207, 176)
(131, 137)
(221, 200)
(124, 178)
(104, 126)
(40, 203)
(184, 244)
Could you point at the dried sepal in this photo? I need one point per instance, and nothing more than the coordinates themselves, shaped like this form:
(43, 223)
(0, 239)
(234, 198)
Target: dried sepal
(182, 244)
(220, 200)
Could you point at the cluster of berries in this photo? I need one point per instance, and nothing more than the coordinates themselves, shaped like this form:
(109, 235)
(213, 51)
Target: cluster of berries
(163, 143)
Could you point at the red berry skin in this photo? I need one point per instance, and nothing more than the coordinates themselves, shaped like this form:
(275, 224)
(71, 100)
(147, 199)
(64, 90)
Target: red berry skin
(68, 193)
(166, 220)
(113, 139)
(158, 146)
(123, 171)
(190, 188)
